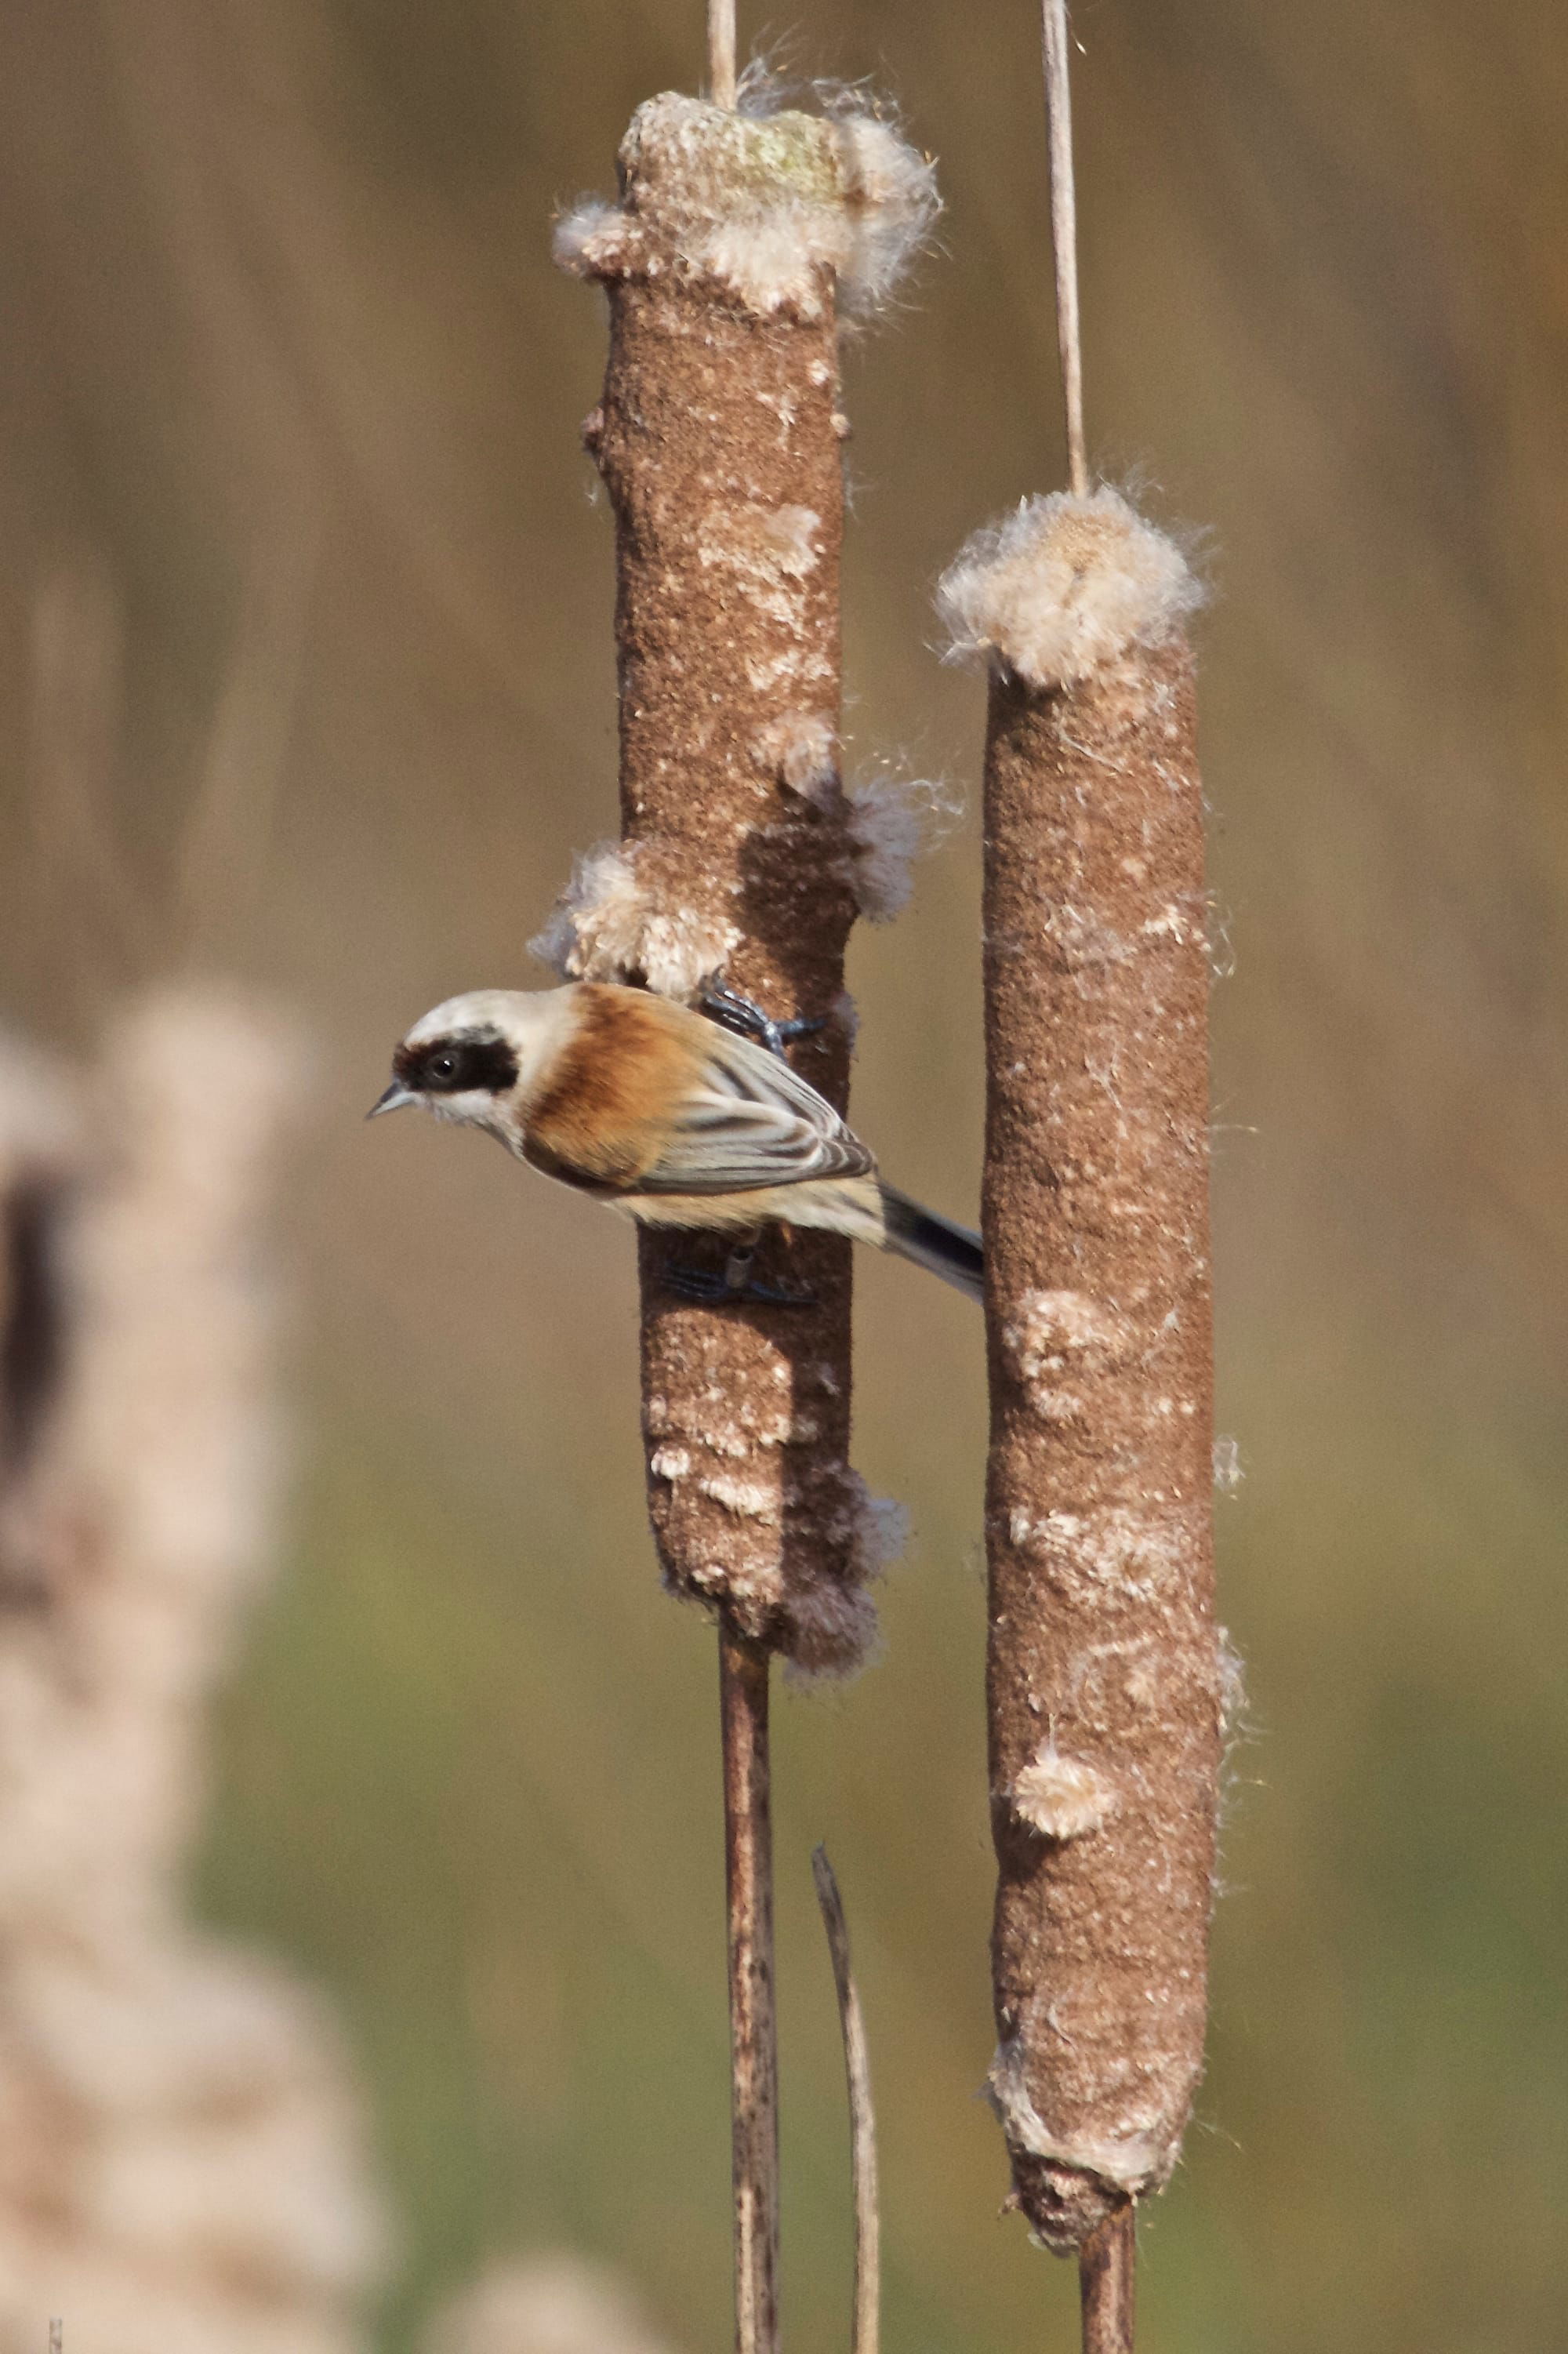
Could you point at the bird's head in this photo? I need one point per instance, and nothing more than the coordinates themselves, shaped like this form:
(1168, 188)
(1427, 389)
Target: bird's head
(475, 1059)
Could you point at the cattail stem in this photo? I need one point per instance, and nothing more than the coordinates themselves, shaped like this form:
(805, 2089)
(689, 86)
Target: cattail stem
(1106, 1681)
(1064, 234)
(719, 438)
(721, 52)
(753, 2028)
(1108, 2277)
(866, 2331)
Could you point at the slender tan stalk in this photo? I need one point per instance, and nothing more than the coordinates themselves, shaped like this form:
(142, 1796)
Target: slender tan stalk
(866, 2333)
(744, 1665)
(1064, 234)
(721, 52)
(1107, 2281)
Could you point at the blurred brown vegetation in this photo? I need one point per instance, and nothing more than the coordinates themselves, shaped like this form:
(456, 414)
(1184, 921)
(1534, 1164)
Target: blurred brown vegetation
(291, 396)
(180, 2139)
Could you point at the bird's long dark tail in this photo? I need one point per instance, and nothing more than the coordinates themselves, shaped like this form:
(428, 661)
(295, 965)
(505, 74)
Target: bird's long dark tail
(949, 1251)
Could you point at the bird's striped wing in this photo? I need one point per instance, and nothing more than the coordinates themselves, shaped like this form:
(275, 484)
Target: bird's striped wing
(749, 1122)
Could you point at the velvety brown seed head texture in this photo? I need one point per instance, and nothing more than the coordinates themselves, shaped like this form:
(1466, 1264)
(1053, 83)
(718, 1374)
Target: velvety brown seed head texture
(1103, 1664)
(719, 440)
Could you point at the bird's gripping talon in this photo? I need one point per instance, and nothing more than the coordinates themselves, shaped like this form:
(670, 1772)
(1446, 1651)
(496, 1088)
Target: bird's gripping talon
(709, 1291)
(732, 1285)
(737, 1012)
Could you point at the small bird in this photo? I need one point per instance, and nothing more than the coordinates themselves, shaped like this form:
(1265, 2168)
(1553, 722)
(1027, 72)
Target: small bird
(672, 1116)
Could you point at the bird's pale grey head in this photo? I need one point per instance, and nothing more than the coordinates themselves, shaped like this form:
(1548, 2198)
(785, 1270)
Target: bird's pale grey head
(458, 1062)
(474, 1058)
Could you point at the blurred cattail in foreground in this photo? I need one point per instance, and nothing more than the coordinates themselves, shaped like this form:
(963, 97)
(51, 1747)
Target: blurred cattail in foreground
(543, 2305)
(179, 2160)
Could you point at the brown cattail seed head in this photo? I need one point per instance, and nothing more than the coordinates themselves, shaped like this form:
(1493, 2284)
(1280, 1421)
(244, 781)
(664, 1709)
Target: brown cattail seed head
(1105, 1674)
(737, 241)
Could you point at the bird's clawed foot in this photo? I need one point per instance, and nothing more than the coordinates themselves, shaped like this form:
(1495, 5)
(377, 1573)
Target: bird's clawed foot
(737, 1012)
(733, 1285)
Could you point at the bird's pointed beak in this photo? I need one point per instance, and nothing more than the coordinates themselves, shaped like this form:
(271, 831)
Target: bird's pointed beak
(396, 1097)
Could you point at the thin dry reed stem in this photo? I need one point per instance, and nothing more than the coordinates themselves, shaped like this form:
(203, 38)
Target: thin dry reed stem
(721, 52)
(1107, 2280)
(753, 2028)
(866, 2334)
(1064, 234)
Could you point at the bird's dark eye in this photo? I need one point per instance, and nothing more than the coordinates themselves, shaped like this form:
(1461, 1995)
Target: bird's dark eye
(464, 1065)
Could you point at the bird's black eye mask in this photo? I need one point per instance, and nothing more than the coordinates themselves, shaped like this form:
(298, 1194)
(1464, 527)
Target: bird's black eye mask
(451, 1067)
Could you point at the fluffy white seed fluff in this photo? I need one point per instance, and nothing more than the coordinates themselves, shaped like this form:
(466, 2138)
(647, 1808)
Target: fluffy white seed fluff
(1061, 1797)
(882, 1526)
(891, 201)
(607, 926)
(832, 1628)
(800, 749)
(592, 240)
(1062, 586)
(894, 820)
(830, 1632)
(748, 1499)
(1134, 2161)
(764, 260)
(768, 552)
(1232, 1679)
(766, 203)
(1057, 1338)
(1142, 1550)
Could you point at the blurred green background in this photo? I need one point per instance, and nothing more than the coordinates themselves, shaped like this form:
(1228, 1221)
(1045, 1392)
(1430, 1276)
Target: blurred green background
(291, 398)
